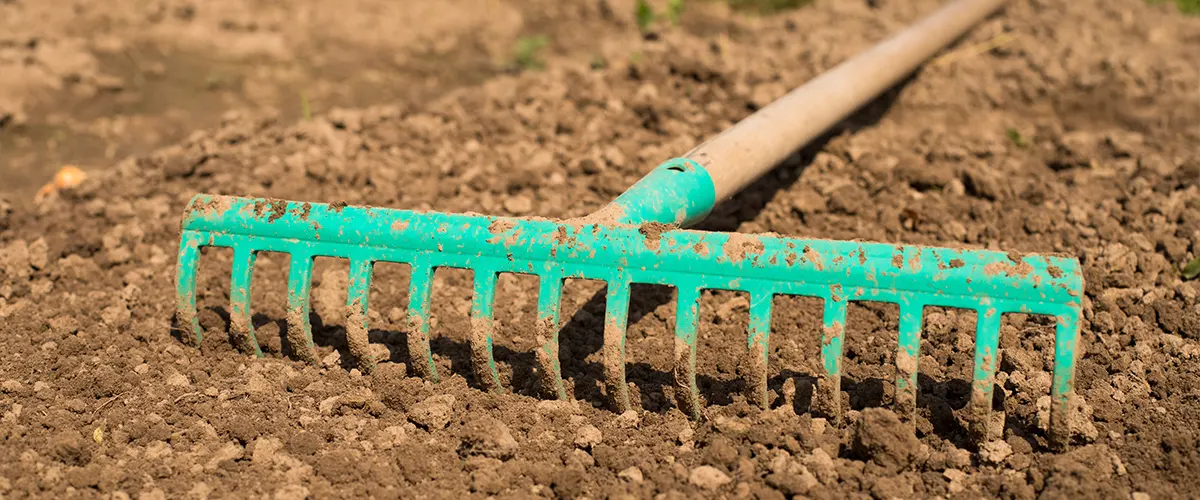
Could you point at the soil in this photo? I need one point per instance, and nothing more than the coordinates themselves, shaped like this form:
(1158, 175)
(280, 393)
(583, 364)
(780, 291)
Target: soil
(1078, 136)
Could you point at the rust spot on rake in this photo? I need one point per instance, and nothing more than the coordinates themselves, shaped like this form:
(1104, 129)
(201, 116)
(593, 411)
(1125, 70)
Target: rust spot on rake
(1019, 270)
(302, 211)
(653, 231)
(813, 256)
(212, 206)
(740, 246)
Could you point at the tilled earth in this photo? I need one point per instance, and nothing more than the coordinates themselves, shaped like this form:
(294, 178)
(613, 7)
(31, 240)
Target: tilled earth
(1079, 136)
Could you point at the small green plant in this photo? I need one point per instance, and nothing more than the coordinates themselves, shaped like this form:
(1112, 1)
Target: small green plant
(644, 15)
(599, 62)
(675, 11)
(1015, 137)
(1191, 270)
(767, 6)
(305, 107)
(528, 52)
(213, 81)
(1190, 7)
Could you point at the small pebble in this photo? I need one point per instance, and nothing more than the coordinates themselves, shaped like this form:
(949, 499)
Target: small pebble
(178, 380)
(628, 420)
(995, 452)
(518, 204)
(708, 477)
(632, 474)
(588, 436)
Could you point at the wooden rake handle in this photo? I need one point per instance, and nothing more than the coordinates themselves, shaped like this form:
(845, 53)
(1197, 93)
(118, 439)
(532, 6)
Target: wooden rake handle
(755, 145)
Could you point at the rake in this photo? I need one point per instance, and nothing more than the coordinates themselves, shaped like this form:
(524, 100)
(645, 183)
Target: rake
(641, 238)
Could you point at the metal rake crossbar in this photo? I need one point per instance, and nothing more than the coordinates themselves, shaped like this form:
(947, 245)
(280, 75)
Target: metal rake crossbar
(914, 277)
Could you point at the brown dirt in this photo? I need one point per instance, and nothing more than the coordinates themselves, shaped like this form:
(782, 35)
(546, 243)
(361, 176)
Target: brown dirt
(99, 399)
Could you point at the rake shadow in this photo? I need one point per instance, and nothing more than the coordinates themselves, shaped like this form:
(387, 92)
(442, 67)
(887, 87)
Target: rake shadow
(581, 336)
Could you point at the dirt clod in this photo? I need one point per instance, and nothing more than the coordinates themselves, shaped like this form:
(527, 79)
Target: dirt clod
(488, 437)
(880, 436)
(708, 477)
(434, 412)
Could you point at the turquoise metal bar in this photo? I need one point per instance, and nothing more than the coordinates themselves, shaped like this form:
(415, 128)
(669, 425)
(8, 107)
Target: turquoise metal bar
(241, 327)
(987, 342)
(908, 352)
(419, 284)
(828, 400)
(687, 324)
(757, 345)
(483, 330)
(299, 331)
(616, 322)
(549, 302)
(186, 315)
(1032, 283)
(358, 294)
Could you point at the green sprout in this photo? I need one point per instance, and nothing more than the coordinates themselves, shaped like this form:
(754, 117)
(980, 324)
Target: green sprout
(305, 107)
(1192, 269)
(767, 6)
(644, 15)
(675, 11)
(1015, 137)
(527, 51)
(1189, 7)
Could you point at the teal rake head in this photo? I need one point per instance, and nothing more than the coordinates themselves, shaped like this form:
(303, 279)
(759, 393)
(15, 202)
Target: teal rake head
(638, 238)
(621, 254)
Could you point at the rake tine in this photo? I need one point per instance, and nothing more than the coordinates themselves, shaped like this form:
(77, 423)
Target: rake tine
(686, 326)
(616, 322)
(241, 327)
(757, 344)
(1066, 340)
(987, 341)
(357, 323)
(419, 284)
(299, 331)
(549, 298)
(907, 353)
(185, 291)
(829, 390)
(482, 329)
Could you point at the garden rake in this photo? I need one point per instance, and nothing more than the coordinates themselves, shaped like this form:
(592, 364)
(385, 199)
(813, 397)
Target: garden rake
(640, 238)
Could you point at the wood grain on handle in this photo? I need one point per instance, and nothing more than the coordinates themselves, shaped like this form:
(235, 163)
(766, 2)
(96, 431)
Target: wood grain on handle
(758, 143)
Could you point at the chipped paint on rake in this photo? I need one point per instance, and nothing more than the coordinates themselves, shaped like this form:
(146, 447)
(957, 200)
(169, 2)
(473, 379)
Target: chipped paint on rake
(241, 327)
(606, 245)
(357, 325)
(757, 345)
(419, 351)
(546, 331)
(616, 322)
(483, 331)
(908, 351)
